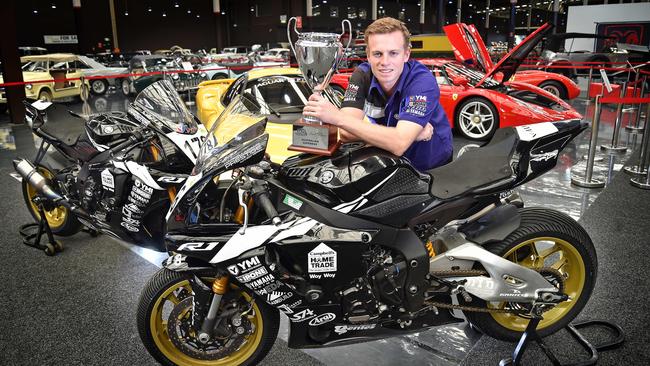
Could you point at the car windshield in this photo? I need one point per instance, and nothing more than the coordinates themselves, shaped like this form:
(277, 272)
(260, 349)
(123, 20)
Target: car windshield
(35, 66)
(159, 104)
(454, 69)
(279, 92)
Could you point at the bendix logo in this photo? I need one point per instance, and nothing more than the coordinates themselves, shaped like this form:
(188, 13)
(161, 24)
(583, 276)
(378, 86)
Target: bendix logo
(322, 319)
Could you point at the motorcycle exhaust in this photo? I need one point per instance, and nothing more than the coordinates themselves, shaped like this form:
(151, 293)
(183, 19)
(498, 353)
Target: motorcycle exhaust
(31, 175)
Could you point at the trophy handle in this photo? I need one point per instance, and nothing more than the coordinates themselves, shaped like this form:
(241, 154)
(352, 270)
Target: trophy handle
(343, 28)
(289, 33)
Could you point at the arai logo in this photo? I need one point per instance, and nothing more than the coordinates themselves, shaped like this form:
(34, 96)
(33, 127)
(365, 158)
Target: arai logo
(322, 319)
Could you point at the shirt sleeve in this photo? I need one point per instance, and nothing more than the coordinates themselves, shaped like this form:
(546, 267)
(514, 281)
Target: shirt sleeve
(357, 91)
(419, 101)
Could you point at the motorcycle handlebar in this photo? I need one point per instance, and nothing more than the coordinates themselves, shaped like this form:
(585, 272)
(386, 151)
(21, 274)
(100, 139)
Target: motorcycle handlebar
(261, 196)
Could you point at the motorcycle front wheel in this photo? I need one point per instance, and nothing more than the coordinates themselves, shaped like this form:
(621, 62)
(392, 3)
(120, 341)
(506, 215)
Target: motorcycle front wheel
(61, 220)
(554, 244)
(161, 298)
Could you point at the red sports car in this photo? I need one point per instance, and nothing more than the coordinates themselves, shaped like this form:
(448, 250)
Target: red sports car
(477, 103)
(470, 49)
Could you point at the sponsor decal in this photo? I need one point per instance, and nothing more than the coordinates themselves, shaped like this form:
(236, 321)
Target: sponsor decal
(544, 156)
(321, 259)
(322, 319)
(416, 105)
(134, 208)
(256, 273)
(351, 93)
(261, 282)
(269, 288)
(341, 329)
(198, 246)
(270, 81)
(326, 177)
(535, 131)
(319, 276)
(287, 309)
(302, 315)
(171, 179)
(373, 111)
(108, 181)
(292, 202)
(277, 297)
(244, 266)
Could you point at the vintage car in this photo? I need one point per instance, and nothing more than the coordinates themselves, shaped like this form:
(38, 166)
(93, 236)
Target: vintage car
(147, 69)
(469, 49)
(276, 54)
(115, 76)
(562, 54)
(45, 75)
(478, 103)
(284, 89)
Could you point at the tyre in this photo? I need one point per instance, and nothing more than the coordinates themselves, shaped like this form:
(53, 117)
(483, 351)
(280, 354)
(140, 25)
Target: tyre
(554, 87)
(476, 119)
(45, 95)
(98, 87)
(3, 108)
(218, 76)
(545, 239)
(125, 86)
(61, 220)
(167, 297)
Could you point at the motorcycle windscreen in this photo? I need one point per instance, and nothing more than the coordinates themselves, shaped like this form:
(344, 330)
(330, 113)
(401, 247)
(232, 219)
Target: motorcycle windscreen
(160, 105)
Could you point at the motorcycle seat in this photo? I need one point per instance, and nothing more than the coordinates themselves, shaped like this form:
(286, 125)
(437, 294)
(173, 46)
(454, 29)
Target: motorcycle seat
(479, 168)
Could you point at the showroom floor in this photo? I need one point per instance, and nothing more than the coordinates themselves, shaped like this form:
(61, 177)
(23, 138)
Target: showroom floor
(79, 306)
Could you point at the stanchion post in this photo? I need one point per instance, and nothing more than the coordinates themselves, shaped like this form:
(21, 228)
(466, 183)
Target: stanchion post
(642, 167)
(614, 147)
(636, 128)
(641, 181)
(588, 181)
(591, 75)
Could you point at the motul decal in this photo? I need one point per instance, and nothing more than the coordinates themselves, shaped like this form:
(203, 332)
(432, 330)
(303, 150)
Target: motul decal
(322, 319)
(244, 266)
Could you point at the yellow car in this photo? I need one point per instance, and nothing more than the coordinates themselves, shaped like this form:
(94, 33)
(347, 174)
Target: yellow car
(284, 89)
(48, 67)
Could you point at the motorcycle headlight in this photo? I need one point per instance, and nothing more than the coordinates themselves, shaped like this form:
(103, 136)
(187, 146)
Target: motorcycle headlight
(28, 86)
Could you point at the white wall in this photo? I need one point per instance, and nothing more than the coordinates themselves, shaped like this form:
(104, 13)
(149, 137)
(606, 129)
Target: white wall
(583, 19)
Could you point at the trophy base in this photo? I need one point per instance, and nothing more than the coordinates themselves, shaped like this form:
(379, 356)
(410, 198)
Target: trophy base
(315, 139)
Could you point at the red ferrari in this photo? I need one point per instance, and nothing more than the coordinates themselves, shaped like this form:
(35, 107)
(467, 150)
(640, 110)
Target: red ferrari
(478, 103)
(470, 49)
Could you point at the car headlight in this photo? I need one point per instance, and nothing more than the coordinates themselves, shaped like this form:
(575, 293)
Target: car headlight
(28, 86)
(175, 76)
(203, 75)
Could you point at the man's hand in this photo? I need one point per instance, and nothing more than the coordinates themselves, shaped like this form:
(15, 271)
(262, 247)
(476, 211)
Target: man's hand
(319, 107)
(426, 133)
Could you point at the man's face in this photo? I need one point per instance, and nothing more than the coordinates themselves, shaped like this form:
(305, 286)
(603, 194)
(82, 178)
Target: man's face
(387, 55)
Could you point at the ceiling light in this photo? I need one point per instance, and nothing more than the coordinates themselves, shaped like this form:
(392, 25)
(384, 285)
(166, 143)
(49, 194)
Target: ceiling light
(189, 11)
(35, 11)
(164, 14)
(176, 5)
(126, 13)
(198, 16)
(53, 6)
(149, 10)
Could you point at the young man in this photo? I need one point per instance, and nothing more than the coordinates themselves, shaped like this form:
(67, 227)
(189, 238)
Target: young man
(399, 96)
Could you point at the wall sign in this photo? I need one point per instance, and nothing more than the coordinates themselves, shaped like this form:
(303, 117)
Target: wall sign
(61, 39)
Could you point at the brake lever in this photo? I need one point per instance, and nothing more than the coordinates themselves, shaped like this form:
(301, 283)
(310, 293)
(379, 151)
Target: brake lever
(240, 194)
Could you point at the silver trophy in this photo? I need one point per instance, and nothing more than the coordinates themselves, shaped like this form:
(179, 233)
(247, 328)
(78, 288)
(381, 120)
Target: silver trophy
(318, 55)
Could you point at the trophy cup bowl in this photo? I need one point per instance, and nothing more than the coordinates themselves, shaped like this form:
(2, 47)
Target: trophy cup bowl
(318, 55)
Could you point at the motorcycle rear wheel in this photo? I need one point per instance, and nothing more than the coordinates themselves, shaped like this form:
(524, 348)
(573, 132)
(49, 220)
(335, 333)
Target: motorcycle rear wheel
(168, 288)
(545, 238)
(61, 220)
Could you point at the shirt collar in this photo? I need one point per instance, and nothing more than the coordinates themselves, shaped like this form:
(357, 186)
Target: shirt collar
(374, 84)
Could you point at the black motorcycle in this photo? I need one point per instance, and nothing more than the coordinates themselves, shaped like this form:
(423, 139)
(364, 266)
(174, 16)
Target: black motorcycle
(358, 246)
(115, 173)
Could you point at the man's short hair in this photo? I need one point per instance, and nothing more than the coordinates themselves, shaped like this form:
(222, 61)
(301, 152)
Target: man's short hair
(388, 25)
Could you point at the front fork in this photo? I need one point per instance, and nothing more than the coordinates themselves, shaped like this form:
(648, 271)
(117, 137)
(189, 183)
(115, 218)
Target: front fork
(204, 295)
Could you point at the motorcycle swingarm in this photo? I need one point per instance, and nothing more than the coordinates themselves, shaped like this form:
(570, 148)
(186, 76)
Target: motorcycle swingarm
(496, 225)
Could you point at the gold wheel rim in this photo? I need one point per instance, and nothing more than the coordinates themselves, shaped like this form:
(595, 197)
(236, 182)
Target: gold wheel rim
(546, 252)
(55, 217)
(158, 327)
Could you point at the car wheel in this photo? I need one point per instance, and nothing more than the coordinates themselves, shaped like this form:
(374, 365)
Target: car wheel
(476, 119)
(125, 86)
(45, 96)
(554, 87)
(219, 76)
(98, 87)
(3, 108)
(100, 104)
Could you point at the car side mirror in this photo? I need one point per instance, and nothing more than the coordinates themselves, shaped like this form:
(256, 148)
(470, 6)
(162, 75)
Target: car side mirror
(460, 80)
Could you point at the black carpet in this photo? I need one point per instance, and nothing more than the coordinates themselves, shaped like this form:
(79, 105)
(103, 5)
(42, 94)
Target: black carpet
(78, 307)
(618, 225)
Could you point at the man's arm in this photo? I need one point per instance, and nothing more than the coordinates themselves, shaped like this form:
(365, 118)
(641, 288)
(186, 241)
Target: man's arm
(393, 139)
(356, 114)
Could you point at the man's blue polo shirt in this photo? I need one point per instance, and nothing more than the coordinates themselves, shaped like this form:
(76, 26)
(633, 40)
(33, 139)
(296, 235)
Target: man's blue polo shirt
(416, 99)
